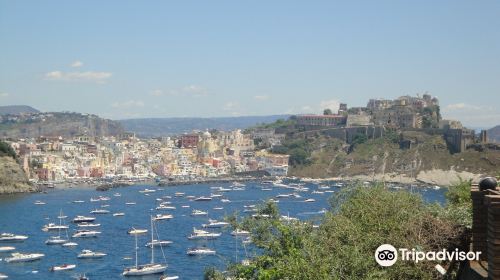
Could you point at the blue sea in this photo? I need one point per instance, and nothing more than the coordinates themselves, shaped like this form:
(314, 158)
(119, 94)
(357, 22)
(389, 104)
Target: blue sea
(19, 215)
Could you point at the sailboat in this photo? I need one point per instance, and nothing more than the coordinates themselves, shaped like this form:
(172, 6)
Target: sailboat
(145, 269)
(57, 240)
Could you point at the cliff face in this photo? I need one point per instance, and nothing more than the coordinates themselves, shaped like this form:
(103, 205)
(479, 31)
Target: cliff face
(12, 177)
(381, 158)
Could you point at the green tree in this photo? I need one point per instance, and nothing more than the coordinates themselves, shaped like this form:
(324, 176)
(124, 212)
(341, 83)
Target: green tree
(327, 112)
(6, 150)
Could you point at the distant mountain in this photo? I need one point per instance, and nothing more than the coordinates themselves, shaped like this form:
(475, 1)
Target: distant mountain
(64, 124)
(494, 134)
(155, 127)
(17, 109)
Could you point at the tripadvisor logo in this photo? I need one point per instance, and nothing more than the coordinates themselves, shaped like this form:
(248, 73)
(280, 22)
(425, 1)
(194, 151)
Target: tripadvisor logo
(387, 255)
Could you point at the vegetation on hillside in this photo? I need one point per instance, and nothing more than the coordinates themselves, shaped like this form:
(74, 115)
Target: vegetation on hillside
(342, 247)
(6, 150)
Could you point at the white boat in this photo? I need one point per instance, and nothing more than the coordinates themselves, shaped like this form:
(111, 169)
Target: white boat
(200, 251)
(88, 254)
(69, 244)
(130, 203)
(10, 237)
(86, 233)
(135, 231)
(247, 240)
(145, 269)
(83, 219)
(117, 194)
(160, 217)
(39, 202)
(19, 257)
(3, 276)
(273, 200)
(6, 249)
(238, 184)
(87, 225)
(238, 189)
(283, 195)
(310, 200)
(179, 194)
(78, 201)
(202, 234)
(165, 277)
(215, 195)
(119, 214)
(239, 232)
(215, 224)
(218, 208)
(99, 211)
(203, 198)
(266, 189)
(225, 200)
(318, 192)
(165, 207)
(198, 213)
(55, 240)
(63, 267)
(147, 191)
(185, 206)
(158, 243)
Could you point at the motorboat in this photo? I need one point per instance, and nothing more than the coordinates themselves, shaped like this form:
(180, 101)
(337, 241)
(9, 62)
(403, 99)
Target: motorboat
(147, 191)
(78, 201)
(215, 224)
(185, 206)
(39, 202)
(86, 233)
(158, 243)
(200, 251)
(6, 249)
(3, 276)
(238, 184)
(165, 207)
(117, 194)
(19, 257)
(87, 225)
(130, 203)
(69, 244)
(218, 208)
(88, 254)
(238, 189)
(63, 267)
(83, 219)
(179, 194)
(53, 226)
(119, 214)
(310, 200)
(135, 231)
(203, 198)
(160, 217)
(165, 277)
(225, 200)
(215, 195)
(55, 240)
(239, 232)
(198, 213)
(10, 237)
(99, 211)
(202, 234)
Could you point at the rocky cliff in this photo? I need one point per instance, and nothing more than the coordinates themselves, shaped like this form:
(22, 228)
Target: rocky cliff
(427, 159)
(12, 177)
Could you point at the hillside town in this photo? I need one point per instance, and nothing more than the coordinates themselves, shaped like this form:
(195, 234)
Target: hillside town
(186, 157)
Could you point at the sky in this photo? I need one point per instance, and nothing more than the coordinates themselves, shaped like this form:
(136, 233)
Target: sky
(135, 59)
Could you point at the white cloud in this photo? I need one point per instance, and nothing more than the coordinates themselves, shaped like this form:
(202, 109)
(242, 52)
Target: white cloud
(194, 90)
(461, 106)
(76, 64)
(332, 104)
(4, 94)
(128, 104)
(231, 106)
(88, 76)
(261, 97)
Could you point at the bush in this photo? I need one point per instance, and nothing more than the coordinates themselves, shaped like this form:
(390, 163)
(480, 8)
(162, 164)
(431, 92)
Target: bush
(6, 150)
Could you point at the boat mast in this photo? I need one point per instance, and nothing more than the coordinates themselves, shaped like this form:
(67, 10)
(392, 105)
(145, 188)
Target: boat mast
(152, 244)
(136, 250)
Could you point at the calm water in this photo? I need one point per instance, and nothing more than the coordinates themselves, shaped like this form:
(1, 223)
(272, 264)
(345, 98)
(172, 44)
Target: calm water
(19, 215)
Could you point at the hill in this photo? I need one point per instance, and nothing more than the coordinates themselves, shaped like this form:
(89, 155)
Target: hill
(17, 109)
(153, 127)
(428, 159)
(64, 124)
(494, 134)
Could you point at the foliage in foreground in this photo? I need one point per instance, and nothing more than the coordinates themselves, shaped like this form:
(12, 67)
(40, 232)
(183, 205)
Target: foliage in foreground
(6, 150)
(343, 246)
